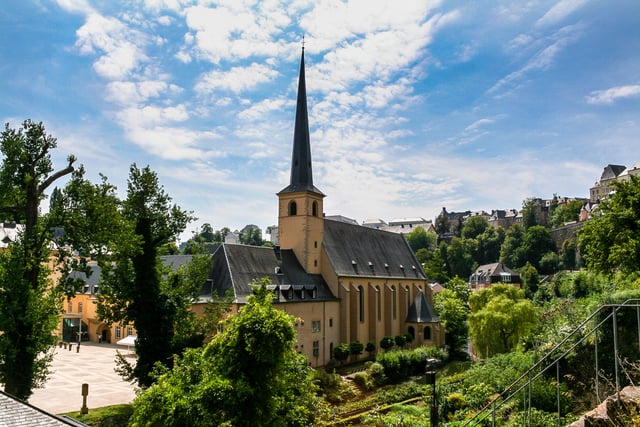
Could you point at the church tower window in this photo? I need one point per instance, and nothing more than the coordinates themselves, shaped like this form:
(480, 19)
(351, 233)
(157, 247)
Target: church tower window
(293, 208)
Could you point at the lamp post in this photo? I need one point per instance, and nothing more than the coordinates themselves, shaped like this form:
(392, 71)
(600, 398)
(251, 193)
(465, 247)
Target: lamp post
(430, 377)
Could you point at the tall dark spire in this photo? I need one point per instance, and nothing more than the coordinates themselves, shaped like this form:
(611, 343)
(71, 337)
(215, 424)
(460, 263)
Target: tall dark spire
(301, 173)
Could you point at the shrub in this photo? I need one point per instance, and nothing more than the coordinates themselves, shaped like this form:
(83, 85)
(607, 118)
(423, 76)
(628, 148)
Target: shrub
(370, 348)
(356, 348)
(386, 343)
(341, 352)
(400, 340)
(376, 372)
(364, 381)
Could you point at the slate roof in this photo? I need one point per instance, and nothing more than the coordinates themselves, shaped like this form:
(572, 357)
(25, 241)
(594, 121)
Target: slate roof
(612, 171)
(236, 266)
(495, 269)
(421, 311)
(354, 250)
(15, 413)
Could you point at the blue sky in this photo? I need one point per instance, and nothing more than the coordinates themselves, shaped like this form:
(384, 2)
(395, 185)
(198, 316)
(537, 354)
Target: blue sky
(413, 105)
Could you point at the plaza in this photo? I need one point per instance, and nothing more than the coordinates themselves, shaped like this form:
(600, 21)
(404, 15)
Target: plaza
(94, 365)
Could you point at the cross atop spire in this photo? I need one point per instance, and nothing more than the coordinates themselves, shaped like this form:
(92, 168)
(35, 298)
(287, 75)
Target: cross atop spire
(301, 173)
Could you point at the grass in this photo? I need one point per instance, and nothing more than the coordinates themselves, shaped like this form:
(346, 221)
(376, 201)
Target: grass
(108, 416)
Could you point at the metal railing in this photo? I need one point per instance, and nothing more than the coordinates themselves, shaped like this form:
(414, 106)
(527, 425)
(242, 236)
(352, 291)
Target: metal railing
(553, 358)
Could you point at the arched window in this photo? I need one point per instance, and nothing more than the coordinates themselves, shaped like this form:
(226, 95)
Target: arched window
(293, 208)
(427, 333)
(412, 332)
(361, 302)
(314, 208)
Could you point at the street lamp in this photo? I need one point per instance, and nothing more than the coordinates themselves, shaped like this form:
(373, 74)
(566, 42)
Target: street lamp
(430, 378)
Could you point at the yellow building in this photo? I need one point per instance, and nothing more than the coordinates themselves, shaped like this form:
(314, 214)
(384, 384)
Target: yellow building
(344, 282)
(80, 317)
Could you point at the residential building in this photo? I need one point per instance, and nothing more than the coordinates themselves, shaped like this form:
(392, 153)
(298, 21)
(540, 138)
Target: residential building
(602, 188)
(489, 274)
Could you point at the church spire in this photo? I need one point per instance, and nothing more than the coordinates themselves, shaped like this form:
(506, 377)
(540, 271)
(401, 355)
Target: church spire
(301, 172)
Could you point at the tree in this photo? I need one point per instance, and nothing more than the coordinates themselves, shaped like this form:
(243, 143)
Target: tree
(419, 238)
(400, 340)
(500, 317)
(386, 343)
(341, 352)
(29, 301)
(459, 259)
(131, 282)
(370, 348)
(609, 242)
(565, 212)
(248, 375)
(511, 252)
(453, 314)
(460, 288)
(356, 348)
(474, 226)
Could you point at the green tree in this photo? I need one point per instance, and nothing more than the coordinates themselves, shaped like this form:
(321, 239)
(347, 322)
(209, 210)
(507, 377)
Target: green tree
(537, 243)
(610, 242)
(530, 215)
(452, 311)
(29, 301)
(459, 259)
(386, 343)
(488, 245)
(474, 226)
(356, 348)
(419, 238)
(131, 278)
(512, 253)
(500, 318)
(565, 212)
(248, 375)
(530, 280)
(341, 352)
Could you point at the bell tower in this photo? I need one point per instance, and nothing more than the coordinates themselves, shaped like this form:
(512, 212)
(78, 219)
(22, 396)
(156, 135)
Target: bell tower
(300, 209)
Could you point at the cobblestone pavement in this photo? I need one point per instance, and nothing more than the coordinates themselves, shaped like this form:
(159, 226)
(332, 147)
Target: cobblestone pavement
(94, 364)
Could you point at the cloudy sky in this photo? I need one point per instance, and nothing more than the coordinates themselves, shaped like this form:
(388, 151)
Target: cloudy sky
(413, 105)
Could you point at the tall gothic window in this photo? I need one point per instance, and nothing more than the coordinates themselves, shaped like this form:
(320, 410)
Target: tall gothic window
(361, 302)
(314, 208)
(293, 208)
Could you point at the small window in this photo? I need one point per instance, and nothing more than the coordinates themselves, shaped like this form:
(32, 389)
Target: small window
(314, 208)
(293, 208)
(129, 330)
(315, 244)
(315, 326)
(69, 307)
(316, 348)
(79, 307)
(315, 262)
(118, 332)
(331, 322)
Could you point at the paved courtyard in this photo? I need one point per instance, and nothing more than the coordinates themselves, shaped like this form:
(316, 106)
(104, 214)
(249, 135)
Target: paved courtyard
(94, 365)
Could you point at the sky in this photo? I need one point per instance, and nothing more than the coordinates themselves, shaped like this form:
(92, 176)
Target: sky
(413, 105)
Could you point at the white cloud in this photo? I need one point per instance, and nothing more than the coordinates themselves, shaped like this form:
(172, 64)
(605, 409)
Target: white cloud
(611, 95)
(560, 11)
(263, 107)
(118, 45)
(127, 93)
(235, 30)
(237, 79)
(540, 61)
(75, 6)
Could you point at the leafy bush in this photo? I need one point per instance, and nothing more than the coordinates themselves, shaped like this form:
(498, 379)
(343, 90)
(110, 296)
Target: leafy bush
(356, 348)
(341, 352)
(400, 340)
(386, 343)
(400, 364)
(331, 385)
(376, 372)
(364, 381)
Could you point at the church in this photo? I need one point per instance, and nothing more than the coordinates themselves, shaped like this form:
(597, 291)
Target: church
(342, 282)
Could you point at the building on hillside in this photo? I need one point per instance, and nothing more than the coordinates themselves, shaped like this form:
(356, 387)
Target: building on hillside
(343, 282)
(602, 188)
(489, 274)
(400, 225)
(632, 171)
(9, 233)
(504, 218)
